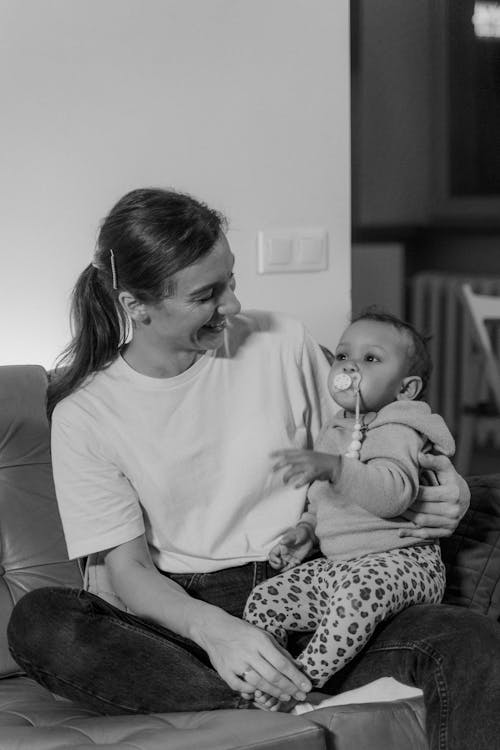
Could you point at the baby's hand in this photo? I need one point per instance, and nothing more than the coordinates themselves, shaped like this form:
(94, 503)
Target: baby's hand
(306, 466)
(293, 547)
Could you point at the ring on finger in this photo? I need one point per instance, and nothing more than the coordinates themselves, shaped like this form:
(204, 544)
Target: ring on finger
(245, 672)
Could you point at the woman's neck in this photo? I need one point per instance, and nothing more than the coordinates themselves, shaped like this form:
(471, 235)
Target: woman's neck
(156, 363)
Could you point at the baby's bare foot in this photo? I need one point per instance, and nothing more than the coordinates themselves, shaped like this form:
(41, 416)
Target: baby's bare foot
(267, 702)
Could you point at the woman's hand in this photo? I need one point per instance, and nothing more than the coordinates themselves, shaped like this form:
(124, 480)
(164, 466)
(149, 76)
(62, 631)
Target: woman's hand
(305, 466)
(438, 508)
(248, 658)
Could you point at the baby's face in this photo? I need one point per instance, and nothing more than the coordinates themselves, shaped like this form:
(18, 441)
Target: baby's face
(379, 353)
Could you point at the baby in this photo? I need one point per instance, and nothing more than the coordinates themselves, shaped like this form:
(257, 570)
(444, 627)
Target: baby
(363, 475)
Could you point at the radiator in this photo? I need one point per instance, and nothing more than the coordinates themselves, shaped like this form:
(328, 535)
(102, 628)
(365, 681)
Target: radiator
(436, 311)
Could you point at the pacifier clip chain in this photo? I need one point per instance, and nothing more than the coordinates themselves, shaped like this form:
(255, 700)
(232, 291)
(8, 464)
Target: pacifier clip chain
(342, 382)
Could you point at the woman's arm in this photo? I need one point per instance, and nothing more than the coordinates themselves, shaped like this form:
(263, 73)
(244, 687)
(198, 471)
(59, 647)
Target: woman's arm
(233, 646)
(438, 509)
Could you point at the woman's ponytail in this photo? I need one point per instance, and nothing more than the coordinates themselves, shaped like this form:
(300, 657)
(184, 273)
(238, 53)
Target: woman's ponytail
(99, 328)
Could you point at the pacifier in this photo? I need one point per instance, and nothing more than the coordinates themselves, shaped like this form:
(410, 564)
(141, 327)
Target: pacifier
(343, 381)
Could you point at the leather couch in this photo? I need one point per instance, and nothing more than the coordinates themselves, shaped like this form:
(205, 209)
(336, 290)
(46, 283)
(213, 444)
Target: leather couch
(33, 554)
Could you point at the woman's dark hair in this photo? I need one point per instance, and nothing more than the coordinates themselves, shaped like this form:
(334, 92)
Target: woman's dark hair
(147, 237)
(419, 360)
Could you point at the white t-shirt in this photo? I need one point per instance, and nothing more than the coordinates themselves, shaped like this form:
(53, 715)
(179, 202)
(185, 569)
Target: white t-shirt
(187, 459)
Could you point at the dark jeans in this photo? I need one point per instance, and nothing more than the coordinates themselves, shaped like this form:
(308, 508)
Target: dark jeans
(82, 648)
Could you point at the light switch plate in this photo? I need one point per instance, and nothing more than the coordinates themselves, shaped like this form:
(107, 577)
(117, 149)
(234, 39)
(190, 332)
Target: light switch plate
(292, 250)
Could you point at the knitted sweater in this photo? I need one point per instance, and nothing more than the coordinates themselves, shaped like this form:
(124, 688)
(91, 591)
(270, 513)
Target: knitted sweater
(361, 511)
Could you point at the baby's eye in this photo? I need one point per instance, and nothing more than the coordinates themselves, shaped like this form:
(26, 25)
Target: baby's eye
(340, 357)
(371, 358)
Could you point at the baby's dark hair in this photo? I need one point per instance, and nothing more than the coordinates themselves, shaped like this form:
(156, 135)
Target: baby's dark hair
(419, 359)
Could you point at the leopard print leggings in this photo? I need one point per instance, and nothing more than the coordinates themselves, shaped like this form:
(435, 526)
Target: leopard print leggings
(344, 601)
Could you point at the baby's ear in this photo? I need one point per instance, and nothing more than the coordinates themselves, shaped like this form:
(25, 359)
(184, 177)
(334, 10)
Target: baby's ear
(410, 388)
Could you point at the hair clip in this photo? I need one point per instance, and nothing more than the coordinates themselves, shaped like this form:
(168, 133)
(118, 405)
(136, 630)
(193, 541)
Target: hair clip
(113, 269)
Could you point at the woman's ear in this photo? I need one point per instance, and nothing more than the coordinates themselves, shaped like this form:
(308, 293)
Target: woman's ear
(135, 310)
(410, 388)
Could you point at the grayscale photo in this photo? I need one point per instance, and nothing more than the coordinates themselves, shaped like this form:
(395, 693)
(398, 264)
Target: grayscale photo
(250, 374)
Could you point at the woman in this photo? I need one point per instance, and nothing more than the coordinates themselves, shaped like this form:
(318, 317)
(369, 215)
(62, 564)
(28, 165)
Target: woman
(161, 445)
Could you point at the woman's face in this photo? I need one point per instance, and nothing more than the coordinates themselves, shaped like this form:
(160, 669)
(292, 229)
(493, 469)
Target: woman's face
(194, 317)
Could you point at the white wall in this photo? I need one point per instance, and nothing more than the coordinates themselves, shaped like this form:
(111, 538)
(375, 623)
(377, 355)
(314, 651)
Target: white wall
(243, 103)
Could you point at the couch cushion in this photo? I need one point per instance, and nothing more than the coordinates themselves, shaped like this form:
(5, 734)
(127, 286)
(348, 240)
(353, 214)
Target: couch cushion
(375, 726)
(33, 719)
(472, 553)
(32, 548)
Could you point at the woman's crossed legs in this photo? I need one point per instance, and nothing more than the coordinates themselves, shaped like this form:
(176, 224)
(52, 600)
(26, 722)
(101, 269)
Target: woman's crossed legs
(88, 651)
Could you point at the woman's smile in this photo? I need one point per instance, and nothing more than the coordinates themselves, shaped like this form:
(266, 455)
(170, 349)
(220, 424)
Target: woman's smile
(216, 326)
